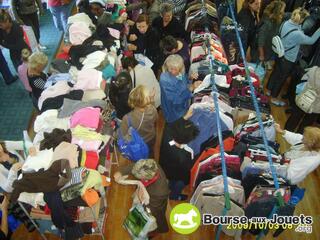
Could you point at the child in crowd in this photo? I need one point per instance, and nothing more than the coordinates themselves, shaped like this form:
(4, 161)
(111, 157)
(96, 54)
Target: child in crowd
(143, 117)
(37, 78)
(23, 69)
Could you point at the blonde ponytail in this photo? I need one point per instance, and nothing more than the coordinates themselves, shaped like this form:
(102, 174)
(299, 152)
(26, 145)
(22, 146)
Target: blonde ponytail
(298, 15)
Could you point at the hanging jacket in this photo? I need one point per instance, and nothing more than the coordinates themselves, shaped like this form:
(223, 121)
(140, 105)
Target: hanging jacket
(313, 81)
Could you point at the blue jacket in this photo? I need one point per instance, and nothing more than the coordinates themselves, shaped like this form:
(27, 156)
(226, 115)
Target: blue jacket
(296, 39)
(206, 121)
(175, 96)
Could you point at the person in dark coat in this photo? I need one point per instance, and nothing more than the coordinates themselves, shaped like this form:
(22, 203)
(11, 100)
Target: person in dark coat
(156, 183)
(248, 17)
(120, 88)
(144, 39)
(175, 156)
(171, 45)
(11, 37)
(166, 24)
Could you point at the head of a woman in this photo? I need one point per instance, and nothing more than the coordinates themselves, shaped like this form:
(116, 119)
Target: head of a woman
(5, 20)
(169, 45)
(37, 62)
(183, 131)
(174, 65)
(275, 11)
(166, 12)
(122, 82)
(145, 169)
(311, 138)
(129, 63)
(97, 7)
(139, 97)
(299, 15)
(142, 23)
(252, 5)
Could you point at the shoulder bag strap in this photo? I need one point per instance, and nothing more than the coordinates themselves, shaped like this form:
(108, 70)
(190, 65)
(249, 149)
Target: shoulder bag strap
(129, 121)
(134, 78)
(292, 30)
(141, 121)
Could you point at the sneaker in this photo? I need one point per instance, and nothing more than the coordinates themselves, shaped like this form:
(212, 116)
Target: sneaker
(181, 197)
(268, 65)
(15, 78)
(278, 103)
(42, 47)
(288, 110)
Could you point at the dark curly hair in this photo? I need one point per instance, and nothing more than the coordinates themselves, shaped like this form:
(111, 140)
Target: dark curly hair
(183, 131)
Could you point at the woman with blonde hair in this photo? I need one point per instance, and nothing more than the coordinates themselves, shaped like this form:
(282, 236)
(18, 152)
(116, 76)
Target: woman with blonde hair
(292, 38)
(176, 89)
(143, 116)
(269, 27)
(37, 78)
(304, 153)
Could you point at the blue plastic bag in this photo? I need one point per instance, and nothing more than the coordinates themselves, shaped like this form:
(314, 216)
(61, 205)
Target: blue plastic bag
(135, 148)
(259, 71)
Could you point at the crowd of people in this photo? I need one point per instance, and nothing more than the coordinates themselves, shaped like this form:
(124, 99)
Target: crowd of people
(138, 90)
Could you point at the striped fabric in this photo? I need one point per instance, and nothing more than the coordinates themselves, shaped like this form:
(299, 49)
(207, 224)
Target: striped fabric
(178, 5)
(76, 177)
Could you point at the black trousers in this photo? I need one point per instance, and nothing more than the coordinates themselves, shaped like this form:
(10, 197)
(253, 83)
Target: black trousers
(296, 76)
(299, 119)
(15, 56)
(32, 20)
(4, 70)
(282, 70)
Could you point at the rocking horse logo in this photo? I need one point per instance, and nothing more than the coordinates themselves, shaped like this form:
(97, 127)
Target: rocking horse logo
(185, 218)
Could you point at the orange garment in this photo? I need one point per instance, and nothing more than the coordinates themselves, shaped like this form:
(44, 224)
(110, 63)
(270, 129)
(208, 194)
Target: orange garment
(228, 146)
(91, 197)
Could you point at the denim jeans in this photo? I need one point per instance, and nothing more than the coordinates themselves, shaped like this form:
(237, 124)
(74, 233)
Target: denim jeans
(176, 187)
(60, 17)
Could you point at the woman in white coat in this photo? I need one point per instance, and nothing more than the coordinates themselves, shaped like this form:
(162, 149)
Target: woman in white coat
(304, 153)
(142, 75)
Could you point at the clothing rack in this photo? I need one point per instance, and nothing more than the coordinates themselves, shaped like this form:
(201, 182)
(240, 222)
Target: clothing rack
(258, 113)
(215, 94)
(108, 166)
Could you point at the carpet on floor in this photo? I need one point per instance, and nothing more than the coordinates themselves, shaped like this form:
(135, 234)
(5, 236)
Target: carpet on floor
(15, 103)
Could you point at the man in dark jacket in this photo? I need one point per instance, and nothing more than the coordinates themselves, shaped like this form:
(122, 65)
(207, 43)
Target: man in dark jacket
(175, 156)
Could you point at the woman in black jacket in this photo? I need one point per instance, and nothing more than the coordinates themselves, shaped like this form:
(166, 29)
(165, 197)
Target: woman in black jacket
(175, 159)
(166, 24)
(11, 37)
(144, 39)
(119, 91)
(248, 17)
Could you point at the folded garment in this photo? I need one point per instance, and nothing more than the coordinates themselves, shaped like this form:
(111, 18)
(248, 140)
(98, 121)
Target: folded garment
(86, 117)
(56, 102)
(71, 106)
(88, 79)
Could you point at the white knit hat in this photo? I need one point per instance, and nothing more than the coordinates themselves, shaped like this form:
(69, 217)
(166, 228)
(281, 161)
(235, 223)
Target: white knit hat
(101, 2)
